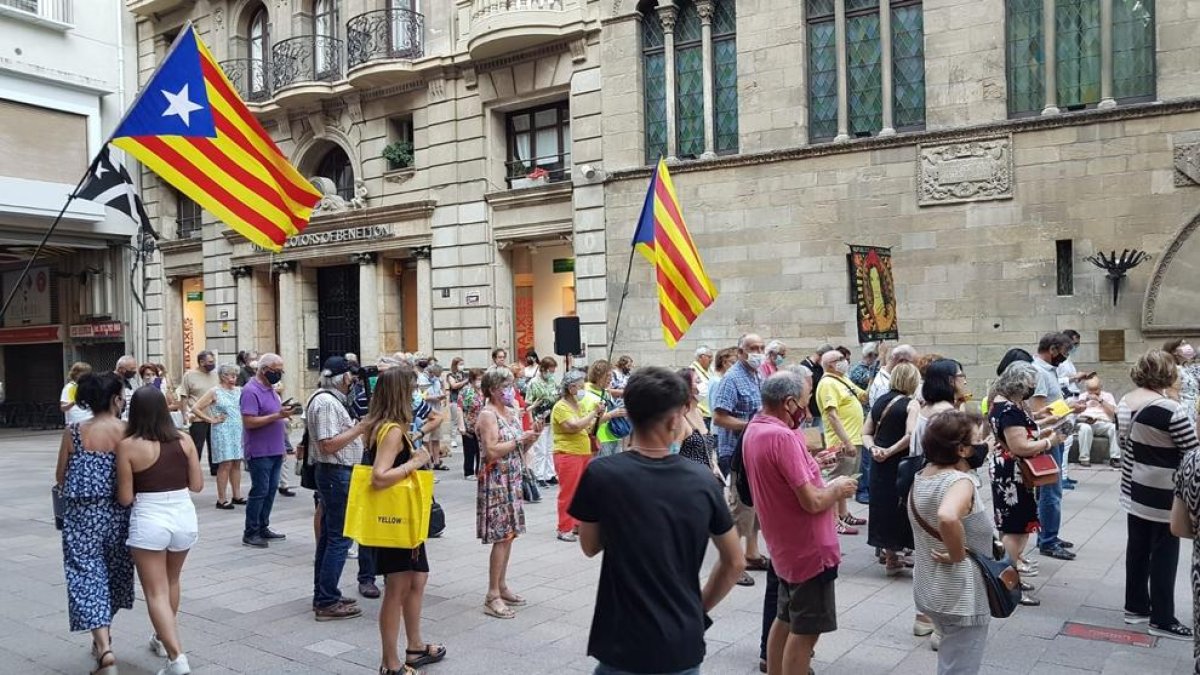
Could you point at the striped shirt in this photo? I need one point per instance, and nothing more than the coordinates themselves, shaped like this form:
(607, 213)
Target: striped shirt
(1153, 441)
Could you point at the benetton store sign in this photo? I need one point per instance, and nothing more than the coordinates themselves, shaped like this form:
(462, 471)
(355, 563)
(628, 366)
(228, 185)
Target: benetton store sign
(31, 335)
(103, 329)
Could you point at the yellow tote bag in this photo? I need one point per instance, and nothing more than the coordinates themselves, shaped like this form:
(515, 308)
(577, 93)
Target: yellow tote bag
(395, 517)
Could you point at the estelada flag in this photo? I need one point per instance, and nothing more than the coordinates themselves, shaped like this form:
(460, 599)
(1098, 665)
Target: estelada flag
(684, 289)
(189, 126)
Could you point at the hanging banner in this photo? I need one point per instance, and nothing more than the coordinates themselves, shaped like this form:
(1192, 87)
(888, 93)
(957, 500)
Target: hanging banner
(874, 293)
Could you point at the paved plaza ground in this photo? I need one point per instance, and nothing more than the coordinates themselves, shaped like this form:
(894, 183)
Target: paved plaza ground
(248, 610)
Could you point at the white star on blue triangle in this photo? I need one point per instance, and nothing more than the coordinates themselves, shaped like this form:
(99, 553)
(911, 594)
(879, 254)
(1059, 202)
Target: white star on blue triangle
(175, 100)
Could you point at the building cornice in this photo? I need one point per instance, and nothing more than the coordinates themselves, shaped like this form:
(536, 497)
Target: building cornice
(902, 139)
(175, 246)
(382, 215)
(530, 196)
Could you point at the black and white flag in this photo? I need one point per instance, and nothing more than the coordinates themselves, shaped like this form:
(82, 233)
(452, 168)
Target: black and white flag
(109, 183)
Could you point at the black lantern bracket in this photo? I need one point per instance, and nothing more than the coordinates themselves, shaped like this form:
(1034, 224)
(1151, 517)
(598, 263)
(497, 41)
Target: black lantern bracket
(1117, 267)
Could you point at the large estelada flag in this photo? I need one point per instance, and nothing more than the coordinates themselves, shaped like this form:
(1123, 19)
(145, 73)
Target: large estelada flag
(684, 289)
(874, 293)
(189, 126)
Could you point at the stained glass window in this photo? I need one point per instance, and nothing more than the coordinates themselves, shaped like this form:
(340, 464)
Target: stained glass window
(1026, 70)
(908, 67)
(654, 83)
(1077, 47)
(864, 74)
(822, 71)
(689, 82)
(725, 77)
(1133, 49)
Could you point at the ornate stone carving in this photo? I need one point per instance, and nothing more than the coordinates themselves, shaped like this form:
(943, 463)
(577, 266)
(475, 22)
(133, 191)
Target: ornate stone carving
(360, 195)
(437, 88)
(241, 271)
(332, 202)
(422, 252)
(219, 18)
(966, 171)
(367, 258)
(705, 9)
(283, 266)
(1170, 322)
(667, 14)
(1187, 164)
(578, 50)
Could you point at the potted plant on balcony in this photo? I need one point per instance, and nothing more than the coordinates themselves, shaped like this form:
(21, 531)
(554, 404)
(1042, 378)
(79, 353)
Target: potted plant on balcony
(399, 155)
(537, 177)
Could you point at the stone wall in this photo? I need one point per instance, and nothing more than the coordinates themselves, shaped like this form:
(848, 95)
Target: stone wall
(973, 279)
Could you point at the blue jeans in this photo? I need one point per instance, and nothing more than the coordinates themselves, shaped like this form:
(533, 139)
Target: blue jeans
(1050, 506)
(607, 670)
(864, 467)
(264, 482)
(333, 484)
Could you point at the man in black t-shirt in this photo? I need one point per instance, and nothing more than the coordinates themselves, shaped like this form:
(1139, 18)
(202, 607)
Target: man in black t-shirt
(653, 513)
(813, 363)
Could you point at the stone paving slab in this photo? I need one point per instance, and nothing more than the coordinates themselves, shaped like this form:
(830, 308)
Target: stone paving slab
(248, 610)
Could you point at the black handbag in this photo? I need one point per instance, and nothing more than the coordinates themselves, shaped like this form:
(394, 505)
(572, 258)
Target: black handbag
(437, 520)
(1001, 580)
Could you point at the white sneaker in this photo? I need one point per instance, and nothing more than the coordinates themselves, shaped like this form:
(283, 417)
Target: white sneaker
(352, 554)
(157, 646)
(935, 642)
(179, 666)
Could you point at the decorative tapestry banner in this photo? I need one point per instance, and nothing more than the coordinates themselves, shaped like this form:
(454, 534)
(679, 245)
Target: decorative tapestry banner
(874, 293)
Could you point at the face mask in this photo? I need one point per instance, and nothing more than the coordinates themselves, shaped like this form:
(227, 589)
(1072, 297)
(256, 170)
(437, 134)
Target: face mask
(509, 396)
(756, 360)
(549, 377)
(209, 367)
(842, 366)
(674, 448)
(779, 360)
(274, 376)
(978, 455)
(1187, 352)
(798, 416)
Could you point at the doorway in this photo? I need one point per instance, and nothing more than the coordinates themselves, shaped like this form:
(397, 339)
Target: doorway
(337, 310)
(543, 290)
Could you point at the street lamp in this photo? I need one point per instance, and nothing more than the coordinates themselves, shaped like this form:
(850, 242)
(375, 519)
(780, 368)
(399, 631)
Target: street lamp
(1117, 267)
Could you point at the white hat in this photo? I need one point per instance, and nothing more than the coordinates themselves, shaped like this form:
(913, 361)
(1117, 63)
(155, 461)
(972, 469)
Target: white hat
(869, 348)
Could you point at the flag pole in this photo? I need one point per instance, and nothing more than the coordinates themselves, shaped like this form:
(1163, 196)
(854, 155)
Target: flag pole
(45, 238)
(612, 342)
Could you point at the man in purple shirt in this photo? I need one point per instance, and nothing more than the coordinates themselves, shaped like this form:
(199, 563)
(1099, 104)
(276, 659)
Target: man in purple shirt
(264, 419)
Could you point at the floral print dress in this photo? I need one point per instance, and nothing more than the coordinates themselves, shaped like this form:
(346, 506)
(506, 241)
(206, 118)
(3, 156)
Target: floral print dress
(1014, 503)
(500, 508)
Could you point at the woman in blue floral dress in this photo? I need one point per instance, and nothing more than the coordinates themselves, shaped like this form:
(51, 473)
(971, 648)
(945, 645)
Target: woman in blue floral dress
(500, 509)
(222, 408)
(99, 569)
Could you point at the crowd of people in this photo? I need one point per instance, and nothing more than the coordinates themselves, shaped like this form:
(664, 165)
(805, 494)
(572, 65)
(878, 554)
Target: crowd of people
(649, 466)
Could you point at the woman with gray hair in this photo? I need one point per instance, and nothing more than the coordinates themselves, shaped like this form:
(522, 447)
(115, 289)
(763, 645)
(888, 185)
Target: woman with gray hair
(571, 421)
(221, 407)
(1017, 437)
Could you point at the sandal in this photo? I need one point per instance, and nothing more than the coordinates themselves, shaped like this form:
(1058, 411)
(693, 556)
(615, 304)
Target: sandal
(430, 654)
(849, 519)
(512, 599)
(225, 506)
(843, 528)
(495, 607)
(746, 580)
(101, 669)
(759, 563)
(240, 501)
(402, 670)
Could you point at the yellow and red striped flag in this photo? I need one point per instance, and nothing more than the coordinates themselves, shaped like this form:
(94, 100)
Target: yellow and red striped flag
(189, 126)
(684, 289)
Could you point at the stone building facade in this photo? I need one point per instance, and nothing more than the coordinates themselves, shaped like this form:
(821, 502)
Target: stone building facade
(486, 161)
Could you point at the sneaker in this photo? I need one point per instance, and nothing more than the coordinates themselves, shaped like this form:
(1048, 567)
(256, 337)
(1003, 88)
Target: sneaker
(1133, 618)
(843, 528)
(340, 610)
(922, 626)
(160, 649)
(368, 590)
(1115, 463)
(270, 534)
(567, 537)
(287, 492)
(179, 666)
(1058, 553)
(936, 641)
(1175, 631)
(352, 552)
(1085, 463)
(1066, 544)
(254, 541)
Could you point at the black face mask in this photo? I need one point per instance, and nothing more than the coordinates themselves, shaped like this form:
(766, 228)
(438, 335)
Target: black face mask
(978, 456)
(274, 376)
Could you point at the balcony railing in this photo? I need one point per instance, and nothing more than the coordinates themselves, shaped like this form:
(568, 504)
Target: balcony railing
(481, 8)
(249, 78)
(308, 58)
(522, 173)
(385, 34)
(51, 12)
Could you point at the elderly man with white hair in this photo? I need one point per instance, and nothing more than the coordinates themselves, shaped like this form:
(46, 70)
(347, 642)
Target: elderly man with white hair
(882, 383)
(864, 371)
(126, 369)
(265, 420)
(841, 407)
(702, 368)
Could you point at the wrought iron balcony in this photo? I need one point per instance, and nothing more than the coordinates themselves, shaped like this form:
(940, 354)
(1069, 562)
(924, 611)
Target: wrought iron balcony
(505, 26)
(385, 34)
(249, 78)
(57, 14)
(305, 59)
(149, 8)
(523, 173)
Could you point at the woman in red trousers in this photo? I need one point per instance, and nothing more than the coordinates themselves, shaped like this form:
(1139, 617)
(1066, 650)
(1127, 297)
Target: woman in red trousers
(572, 420)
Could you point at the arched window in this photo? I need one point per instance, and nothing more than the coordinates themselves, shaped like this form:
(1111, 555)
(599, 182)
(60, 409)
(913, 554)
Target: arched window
(335, 166)
(654, 82)
(257, 39)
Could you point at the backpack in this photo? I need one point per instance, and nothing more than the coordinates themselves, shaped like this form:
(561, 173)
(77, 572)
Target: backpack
(308, 472)
(739, 479)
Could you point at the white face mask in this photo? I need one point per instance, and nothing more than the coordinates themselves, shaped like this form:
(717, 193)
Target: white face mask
(842, 366)
(756, 360)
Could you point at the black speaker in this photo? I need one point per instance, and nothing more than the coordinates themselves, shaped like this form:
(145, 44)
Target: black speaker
(566, 336)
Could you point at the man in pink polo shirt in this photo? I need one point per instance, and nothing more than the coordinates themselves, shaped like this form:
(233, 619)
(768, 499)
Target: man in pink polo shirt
(793, 505)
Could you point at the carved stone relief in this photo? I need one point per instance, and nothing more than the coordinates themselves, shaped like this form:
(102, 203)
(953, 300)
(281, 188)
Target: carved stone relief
(965, 171)
(1187, 164)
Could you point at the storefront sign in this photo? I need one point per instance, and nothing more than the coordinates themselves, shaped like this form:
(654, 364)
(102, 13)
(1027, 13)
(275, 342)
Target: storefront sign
(31, 335)
(31, 304)
(364, 233)
(472, 298)
(104, 329)
(193, 318)
(564, 265)
(195, 296)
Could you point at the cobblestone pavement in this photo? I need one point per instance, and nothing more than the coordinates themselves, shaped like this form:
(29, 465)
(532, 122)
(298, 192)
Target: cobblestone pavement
(248, 610)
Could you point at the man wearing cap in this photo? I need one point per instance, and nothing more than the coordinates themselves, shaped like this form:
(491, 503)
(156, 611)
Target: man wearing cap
(336, 445)
(701, 367)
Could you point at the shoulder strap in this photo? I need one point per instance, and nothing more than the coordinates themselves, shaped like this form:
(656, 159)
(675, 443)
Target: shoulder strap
(921, 521)
(888, 407)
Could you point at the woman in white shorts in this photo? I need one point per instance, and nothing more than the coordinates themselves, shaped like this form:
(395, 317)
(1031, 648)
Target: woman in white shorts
(156, 467)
